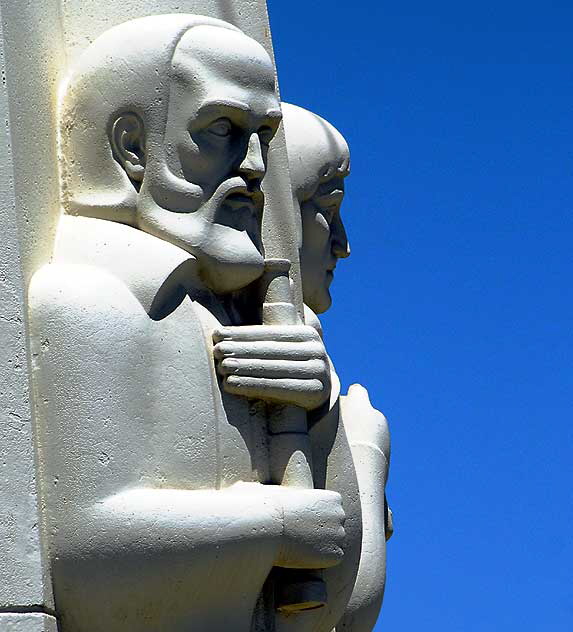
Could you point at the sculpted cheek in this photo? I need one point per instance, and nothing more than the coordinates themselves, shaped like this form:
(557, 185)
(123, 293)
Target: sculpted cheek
(194, 162)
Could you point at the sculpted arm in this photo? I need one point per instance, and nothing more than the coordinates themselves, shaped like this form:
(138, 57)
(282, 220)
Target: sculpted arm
(369, 439)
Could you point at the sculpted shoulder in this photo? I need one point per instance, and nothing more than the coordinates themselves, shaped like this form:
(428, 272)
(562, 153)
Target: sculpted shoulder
(75, 296)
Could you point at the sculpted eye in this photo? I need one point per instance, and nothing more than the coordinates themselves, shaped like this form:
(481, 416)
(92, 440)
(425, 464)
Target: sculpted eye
(266, 135)
(221, 127)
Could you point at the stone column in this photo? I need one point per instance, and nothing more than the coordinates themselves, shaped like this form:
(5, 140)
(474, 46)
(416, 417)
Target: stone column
(28, 201)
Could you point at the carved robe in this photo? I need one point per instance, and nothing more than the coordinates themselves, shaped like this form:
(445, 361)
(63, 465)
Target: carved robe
(140, 449)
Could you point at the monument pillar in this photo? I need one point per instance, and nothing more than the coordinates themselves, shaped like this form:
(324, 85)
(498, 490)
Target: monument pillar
(29, 197)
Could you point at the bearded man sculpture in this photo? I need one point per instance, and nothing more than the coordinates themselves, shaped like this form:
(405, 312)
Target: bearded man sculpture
(319, 163)
(154, 455)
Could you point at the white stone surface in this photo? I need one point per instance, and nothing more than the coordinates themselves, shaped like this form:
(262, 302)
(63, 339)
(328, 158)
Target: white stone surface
(22, 578)
(369, 439)
(29, 622)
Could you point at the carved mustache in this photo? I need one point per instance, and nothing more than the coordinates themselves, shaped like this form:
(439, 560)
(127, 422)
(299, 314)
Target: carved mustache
(238, 191)
(180, 196)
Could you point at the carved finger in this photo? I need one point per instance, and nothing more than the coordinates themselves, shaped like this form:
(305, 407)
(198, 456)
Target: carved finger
(300, 392)
(273, 369)
(285, 333)
(269, 350)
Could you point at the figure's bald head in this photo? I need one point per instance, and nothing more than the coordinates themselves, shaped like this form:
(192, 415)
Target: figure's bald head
(166, 123)
(319, 162)
(207, 51)
(317, 151)
(133, 68)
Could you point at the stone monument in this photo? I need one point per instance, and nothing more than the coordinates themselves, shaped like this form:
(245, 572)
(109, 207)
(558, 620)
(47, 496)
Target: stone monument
(176, 453)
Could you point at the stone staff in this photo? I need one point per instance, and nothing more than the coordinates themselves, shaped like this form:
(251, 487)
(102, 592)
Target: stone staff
(290, 449)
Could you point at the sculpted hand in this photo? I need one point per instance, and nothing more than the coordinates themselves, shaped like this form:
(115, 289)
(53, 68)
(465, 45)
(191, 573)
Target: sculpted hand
(313, 533)
(283, 364)
(364, 424)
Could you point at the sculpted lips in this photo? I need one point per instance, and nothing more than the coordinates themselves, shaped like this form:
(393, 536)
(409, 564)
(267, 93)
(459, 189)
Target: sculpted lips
(240, 196)
(240, 207)
(246, 198)
(244, 208)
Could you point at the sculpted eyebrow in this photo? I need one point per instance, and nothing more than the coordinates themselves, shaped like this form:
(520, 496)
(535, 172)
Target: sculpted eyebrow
(224, 103)
(275, 114)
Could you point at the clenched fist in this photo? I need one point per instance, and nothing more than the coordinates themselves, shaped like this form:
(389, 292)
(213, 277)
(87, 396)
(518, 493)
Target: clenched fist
(284, 364)
(313, 528)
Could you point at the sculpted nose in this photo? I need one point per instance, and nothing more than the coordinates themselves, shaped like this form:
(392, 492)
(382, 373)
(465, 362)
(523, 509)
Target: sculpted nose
(253, 165)
(340, 245)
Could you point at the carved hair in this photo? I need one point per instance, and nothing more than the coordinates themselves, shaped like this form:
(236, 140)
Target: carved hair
(127, 69)
(317, 151)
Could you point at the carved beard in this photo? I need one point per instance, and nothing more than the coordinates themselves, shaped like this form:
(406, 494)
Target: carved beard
(222, 232)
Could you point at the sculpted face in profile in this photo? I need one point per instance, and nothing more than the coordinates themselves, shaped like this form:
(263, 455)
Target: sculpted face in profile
(195, 170)
(319, 162)
(222, 116)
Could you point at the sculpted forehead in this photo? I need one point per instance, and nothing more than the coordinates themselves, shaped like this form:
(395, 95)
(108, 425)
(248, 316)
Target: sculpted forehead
(210, 53)
(318, 154)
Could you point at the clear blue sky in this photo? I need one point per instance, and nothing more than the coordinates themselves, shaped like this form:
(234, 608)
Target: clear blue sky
(455, 308)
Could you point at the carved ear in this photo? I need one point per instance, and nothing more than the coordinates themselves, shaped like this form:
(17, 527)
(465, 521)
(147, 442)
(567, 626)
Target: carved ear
(128, 142)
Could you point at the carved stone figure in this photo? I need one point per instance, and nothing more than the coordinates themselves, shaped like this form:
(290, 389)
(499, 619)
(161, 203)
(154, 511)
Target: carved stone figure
(149, 357)
(319, 162)
(196, 465)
